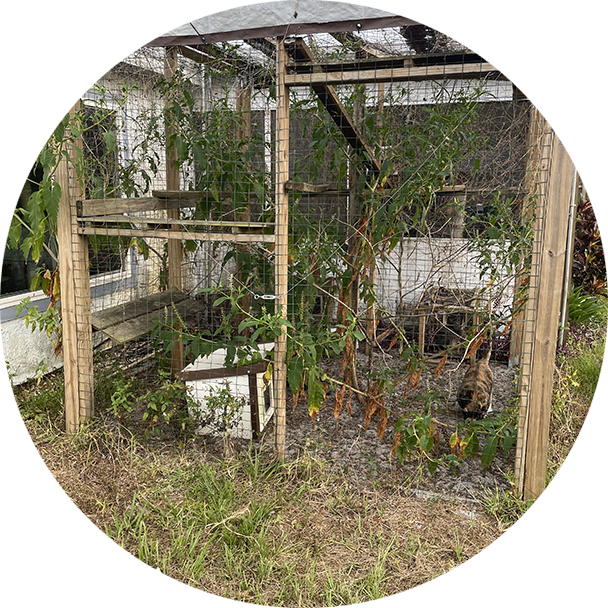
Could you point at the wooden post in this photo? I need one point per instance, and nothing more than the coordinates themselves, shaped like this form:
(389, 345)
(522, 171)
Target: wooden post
(243, 134)
(534, 186)
(174, 246)
(281, 247)
(550, 253)
(75, 297)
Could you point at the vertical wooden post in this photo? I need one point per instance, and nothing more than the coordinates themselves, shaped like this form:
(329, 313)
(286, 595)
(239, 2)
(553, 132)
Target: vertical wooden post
(281, 248)
(532, 184)
(75, 296)
(174, 246)
(243, 134)
(552, 234)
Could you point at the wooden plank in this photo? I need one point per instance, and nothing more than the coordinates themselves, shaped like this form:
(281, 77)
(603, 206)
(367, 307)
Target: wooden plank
(180, 235)
(281, 248)
(132, 219)
(115, 206)
(75, 297)
(536, 182)
(135, 308)
(552, 265)
(223, 372)
(406, 74)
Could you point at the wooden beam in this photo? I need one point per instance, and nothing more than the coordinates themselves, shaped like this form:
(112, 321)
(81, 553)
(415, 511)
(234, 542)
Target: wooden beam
(161, 200)
(281, 248)
(334, 107)
(179, 235)
(552, 262)
(75, 296)
(174, 246)
(405, 74)
(113, 206)
(102, 220)
(522, 340)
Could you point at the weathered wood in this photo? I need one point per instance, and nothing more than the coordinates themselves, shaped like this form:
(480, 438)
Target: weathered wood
(135, 319)
(160, 201)
(75, 297)
(114, 206)
(180, 235)
(281, 248)
(552, 263)
(129, 310)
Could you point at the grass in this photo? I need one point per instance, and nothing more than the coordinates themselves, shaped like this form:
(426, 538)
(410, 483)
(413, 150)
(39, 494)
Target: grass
(246, 527)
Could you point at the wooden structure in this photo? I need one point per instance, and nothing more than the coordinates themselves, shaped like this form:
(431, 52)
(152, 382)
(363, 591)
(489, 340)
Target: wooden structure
(75, 300)
(296, 67)
(543, 311)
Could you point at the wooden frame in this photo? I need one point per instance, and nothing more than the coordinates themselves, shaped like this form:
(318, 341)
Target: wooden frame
(75, 298)
(74, 224)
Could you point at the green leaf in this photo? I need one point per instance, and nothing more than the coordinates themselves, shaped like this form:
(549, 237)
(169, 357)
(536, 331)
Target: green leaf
(489, 450)
(359, 335)
(295, 369)
(508, 442)
(424, 442)
(15, 232)
(110, 139)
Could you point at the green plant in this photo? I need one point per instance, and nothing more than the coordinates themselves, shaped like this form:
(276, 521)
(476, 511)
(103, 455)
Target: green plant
(222, 411)
(163, 404)
(588, 260)
(505, 506)
(584, 307)
(122, 398)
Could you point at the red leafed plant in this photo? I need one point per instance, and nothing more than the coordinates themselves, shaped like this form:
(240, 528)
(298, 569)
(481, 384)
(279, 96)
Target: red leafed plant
(588, 262)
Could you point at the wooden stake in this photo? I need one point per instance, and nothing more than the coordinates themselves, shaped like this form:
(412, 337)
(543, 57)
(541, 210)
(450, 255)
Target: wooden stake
(174, 246)
(75, 297)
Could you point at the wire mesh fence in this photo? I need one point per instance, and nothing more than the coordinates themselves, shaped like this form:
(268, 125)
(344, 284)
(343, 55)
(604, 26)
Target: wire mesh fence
(341, 222)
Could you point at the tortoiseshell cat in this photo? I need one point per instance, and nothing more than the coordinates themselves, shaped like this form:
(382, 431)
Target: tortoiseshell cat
(475, 393)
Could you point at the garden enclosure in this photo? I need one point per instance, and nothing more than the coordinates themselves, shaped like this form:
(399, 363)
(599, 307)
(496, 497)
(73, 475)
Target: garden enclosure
(366, 194)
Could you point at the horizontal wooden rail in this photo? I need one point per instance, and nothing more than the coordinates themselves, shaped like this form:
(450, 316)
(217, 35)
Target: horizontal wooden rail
(433, 72)
(133, 219)
(190, 235)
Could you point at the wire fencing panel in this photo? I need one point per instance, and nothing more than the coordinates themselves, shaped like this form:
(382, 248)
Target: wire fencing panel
(409, 187)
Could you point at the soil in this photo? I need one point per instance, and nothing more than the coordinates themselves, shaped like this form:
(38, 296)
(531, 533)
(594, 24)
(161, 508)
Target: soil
(347, 447)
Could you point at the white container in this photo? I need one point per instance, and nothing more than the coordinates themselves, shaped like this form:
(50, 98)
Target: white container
(208, 375)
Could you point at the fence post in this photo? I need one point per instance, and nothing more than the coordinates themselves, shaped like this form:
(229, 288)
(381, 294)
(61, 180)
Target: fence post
(75, 295)
(551, 235)
(281, 246)
(174, 246)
